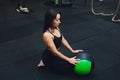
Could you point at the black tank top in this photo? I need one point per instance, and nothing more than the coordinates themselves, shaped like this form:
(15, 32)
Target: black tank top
(57, 40)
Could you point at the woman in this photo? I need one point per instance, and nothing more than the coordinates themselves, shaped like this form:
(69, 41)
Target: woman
(52, 58)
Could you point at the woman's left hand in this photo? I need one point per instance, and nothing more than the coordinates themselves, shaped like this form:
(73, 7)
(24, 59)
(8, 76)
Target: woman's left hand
(77, 51)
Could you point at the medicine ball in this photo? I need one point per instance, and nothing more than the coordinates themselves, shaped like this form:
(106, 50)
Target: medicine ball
(85, 65)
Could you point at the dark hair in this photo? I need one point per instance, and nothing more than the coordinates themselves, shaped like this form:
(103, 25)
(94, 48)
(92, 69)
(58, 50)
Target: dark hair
(49, 17)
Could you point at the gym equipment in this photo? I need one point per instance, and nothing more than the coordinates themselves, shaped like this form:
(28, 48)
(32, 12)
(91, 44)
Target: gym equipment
(99, 13)
(61, 2)
(110, 14)
(116, 12)
(86, 64)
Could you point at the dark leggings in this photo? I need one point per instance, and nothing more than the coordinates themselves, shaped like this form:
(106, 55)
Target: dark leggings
(56, 64)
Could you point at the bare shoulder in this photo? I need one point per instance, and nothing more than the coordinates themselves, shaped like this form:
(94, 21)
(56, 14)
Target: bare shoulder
(47, 35)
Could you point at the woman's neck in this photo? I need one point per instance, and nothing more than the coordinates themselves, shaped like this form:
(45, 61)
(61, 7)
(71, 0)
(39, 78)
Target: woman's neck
(52, 29)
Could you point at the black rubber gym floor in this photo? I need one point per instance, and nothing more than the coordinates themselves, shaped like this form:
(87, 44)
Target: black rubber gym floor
(21, 42)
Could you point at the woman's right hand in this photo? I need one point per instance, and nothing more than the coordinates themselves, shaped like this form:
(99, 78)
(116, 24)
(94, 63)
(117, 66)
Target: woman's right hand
(73, 60)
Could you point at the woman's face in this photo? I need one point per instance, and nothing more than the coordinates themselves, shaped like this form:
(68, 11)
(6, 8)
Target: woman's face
(56, 21)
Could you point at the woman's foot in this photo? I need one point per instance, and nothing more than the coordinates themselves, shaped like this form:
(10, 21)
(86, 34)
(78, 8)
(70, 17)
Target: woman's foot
(41, 64)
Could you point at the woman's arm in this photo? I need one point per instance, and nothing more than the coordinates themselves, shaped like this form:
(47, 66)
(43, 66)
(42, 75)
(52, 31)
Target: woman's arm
(67, 45)
(48, 39)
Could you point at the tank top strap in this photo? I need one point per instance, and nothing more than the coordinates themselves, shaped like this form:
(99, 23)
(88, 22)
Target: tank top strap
(58, 30)
(51, 32)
